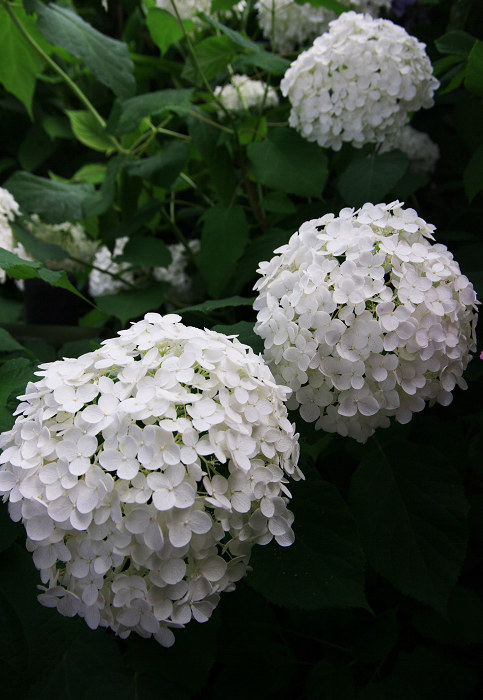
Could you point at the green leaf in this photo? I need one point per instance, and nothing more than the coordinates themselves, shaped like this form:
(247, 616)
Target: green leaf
(131, 305)
(14, 375)
(473, 174)
(163, 168)
(462, 625)
(456, 42)
(164, 28)
(20, 63)
(126, 115)
(213, 304)
(286, 162)
(107, 58)
(237, 38)
(88, 131)
(261, 248)
(96, 203)
(244, 331)
(54, 201)
(269, 62)
(212, 55)
(8, 343)
(223, 239)
(411, 510)
(324, 568)
(40, 250)
(370, 179)
(329, 681)
(146, 251)
(474, 70)
(222, 5)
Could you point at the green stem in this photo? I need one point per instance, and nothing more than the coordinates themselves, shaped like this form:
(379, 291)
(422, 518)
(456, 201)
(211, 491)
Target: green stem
(68, 81)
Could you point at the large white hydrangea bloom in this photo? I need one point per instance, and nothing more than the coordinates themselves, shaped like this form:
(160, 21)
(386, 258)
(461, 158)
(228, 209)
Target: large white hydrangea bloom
(288, 25)
(9, 209)
(243, 93)
(358, 82)
(144, 472)
(187, 9)
(419, 147)
(365, 319)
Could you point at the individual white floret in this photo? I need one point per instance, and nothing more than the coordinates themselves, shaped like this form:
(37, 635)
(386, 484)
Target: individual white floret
(421, 150)
(358, 82)
(144, 472)
(101, 282)
(288, 25)
(242, 93)
(365, 319)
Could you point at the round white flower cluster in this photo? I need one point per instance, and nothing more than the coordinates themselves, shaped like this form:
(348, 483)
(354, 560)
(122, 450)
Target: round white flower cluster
(365, 319)
(100, 282)
(145, 471)
(175, 274)
(358, 82)
(243, 93)
(288, 25)
(8, 210)
(187, 9)
(421, 150)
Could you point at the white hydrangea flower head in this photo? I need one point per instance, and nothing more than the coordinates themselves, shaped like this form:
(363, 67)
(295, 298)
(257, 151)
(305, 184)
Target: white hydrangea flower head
(70, 236)
(187, 9)
(144, 472)
(175, 274)
(100, 282)
(365, 319)
(358, 82)
(419, 147)
(288, 25)
(242, 93)
(9, 209)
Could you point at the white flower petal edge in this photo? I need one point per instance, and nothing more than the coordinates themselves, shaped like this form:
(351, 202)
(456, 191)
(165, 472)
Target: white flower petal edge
(365, 319)
(144, 472)
(358, 82)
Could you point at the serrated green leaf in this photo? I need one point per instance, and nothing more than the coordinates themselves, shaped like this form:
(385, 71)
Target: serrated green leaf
(107, 58)
(40, 250)
(324, 568)
(213, 304)
(146, 251)
(455, 42)
(370, 179)
(269, 62)
(54, 201)
(223, 239)
(212, 55)
(126, 115)
(411, 510)
(88, 131)
(20, 63)
(131, 305)
(473, 174)
(287, 162)
(8, 342)
(164, 28)
(474, 70)
(237, 37)
(14, 375)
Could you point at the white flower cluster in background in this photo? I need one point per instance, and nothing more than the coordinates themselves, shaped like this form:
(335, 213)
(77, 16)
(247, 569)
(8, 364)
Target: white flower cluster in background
(365, 319)
(175, 274)
(187, 9)
(69, 236)
(144, 472)
(421, 150)
(100, 282)
(358, 82)
(8, 210)
(288, 25)
(243, 93)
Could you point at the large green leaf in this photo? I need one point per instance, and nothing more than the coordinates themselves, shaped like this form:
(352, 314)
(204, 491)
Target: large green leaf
(88, 131)
(146, 251)
(411, 510)
(126, 115)
(223, 239)
(212, 55)
(261, 248)
(214, 304)
(163, 168)
(20, 63)
(286, 162)
(107, 58)
(324, 568)
(370, 179)
(8, 342)
(54, 201)
(455, 42)
(133, 304)
(164, 28)
(14, 375)
(474, 70)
